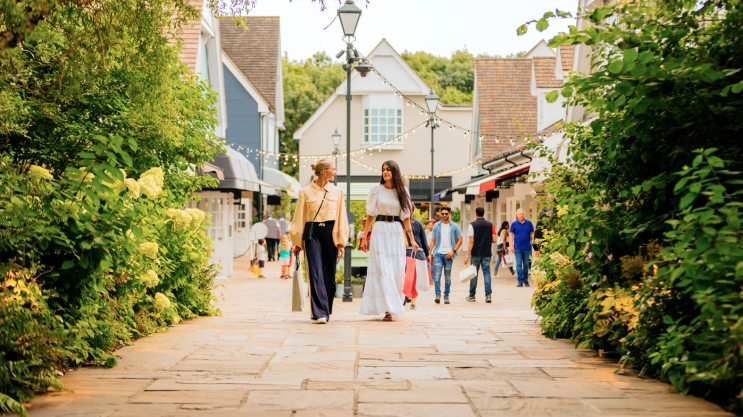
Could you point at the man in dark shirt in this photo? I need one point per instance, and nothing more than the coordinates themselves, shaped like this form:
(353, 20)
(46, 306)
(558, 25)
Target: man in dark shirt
(482, 236)
(522, 236)
(419, 234)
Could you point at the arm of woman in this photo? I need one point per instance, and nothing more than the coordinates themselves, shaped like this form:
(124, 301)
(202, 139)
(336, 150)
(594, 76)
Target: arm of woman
(341, 229)
(367, 226)
(408, 230)
(371, 213)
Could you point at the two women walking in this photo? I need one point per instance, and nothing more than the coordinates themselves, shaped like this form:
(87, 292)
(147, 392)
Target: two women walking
(320, 229)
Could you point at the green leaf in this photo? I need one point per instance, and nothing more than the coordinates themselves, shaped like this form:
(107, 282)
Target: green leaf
(687, 199)
(552, 96)
(86, 155)
(645, 57)
(629, 54)
(542, 24)
(737, 88)
(519, 31)
(616, 67)
(68, 264)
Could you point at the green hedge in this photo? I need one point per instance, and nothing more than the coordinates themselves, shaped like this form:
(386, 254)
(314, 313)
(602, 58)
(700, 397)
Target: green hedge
(643, 259)
(96, 166)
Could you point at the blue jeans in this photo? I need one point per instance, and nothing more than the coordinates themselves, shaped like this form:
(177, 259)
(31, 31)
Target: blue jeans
(497, 264)
(440, 262)
(484, 262)
(522, 265)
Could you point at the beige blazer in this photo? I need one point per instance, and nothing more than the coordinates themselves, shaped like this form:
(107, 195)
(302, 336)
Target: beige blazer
(333, 209)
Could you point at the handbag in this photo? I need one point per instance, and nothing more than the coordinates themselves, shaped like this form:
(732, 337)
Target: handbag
(309, 227)
(408, 287)
(421, 272)
(299, 288)
(467, 274)
(508, 259)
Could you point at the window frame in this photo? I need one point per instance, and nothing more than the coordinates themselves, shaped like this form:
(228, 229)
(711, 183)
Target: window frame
(367, 127)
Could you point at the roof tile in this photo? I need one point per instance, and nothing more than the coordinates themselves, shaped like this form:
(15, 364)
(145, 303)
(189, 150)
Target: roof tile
(566, 56)
(544, 72)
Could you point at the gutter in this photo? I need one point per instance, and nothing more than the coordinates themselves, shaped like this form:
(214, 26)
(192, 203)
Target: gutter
(510, 162)
(490, 164)
(525, 156)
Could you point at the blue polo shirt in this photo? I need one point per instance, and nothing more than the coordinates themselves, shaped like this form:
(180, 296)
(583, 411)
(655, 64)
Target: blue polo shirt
(522, 234)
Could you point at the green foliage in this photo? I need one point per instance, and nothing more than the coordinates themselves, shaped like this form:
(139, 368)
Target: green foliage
(96, 166)
(358, 208)
(658, 166)
(456, 216)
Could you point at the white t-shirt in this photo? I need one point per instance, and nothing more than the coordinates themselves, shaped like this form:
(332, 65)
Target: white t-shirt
(445, 244)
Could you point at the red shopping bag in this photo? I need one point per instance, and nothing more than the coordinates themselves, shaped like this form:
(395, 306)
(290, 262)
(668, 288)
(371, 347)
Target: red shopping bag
(408, 288)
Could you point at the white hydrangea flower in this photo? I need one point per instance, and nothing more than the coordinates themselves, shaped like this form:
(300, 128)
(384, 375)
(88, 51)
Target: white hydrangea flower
(133, 188)
(130, 234)
(148, 249)
(149, 187)
(161, 302)
(175, 320)
(150, 279)
(180, 219)
(39, 173)
(197, 217)
(157, 174)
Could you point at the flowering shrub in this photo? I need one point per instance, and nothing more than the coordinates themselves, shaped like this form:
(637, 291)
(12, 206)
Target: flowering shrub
(101, 129)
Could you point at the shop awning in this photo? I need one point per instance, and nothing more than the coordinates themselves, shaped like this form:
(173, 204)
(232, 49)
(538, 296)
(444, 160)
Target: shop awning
(269, 189)
(489, 184)
(359, 190)
(237, 172)
(289, 183)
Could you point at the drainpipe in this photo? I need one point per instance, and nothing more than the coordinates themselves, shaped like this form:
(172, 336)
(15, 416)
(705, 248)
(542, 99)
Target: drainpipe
(260, 169)
(524, 155)
(511, 162)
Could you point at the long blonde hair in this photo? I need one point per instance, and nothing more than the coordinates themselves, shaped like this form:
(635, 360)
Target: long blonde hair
(285, 243)
(321, 165)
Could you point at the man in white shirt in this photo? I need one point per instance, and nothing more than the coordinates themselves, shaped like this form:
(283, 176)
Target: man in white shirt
(446, 240)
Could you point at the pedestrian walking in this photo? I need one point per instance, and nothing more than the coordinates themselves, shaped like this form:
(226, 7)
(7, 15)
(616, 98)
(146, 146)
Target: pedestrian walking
(419, 232)
(283, 225)
(522, 236)
(320, 228)
(539, 231)
(261, 256)
(273, 235)
(285, 250)
(446, 240)
(482, 236)
(502, 248)
(429, 232)
(389, 204)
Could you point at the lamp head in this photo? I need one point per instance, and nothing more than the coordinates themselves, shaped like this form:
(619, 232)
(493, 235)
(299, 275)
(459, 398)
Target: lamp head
(363, 67)
(349, 15)
(432, 100)
(336, 137)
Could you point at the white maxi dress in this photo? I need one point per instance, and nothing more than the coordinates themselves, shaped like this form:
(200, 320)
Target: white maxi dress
(385, 274)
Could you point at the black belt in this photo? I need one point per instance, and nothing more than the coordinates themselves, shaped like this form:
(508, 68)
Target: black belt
(387, 219)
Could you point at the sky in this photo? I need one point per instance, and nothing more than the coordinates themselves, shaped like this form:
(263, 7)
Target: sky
(439, 27)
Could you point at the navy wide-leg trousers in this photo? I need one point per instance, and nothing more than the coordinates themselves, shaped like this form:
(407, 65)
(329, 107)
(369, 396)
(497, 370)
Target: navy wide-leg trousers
(321, 257)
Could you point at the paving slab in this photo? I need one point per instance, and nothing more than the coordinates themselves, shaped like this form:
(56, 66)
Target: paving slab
(461, 359)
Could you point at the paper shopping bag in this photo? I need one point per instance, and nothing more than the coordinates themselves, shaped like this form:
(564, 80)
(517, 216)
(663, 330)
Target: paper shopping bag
(508, 259)
(254, 269)
(299, 289)
(467, 274)
(408, 287)
(421, 272)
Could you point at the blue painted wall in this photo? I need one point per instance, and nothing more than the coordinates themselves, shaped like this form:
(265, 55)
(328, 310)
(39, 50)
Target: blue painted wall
(243, 119)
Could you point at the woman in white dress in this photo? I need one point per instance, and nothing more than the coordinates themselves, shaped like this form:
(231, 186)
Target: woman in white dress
(389, 203)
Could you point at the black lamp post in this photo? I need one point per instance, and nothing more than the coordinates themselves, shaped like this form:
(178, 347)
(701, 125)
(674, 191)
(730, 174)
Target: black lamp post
(336, 140)
(349, 15)
(432, 101)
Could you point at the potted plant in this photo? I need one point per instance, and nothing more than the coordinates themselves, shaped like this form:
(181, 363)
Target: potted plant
(357, 285)
(339, 282)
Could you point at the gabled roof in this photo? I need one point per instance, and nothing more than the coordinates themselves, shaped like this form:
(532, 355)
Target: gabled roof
(566, 52)
(503, 99)
(544, 73)
(540, 49)
(255, 52)
(382, 50)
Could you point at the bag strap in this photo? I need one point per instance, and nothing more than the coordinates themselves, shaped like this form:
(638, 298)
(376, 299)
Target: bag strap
(321, 203)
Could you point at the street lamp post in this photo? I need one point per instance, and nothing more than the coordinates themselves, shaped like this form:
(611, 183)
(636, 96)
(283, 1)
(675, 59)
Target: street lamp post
(432, 101)
(349, 15)
(336, 140)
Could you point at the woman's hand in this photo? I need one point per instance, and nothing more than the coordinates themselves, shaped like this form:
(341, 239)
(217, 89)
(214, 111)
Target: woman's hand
(297, 249)
(415, 247)
(341, 250)
(363, 245)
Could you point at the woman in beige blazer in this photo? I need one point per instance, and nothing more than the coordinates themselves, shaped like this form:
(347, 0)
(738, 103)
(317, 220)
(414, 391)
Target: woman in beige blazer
(321, 203)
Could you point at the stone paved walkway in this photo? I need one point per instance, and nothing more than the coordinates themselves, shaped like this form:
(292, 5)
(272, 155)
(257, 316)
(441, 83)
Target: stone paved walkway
(462, 359)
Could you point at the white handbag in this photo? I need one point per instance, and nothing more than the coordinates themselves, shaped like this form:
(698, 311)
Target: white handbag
(508, 258)
(421, 273)
(299, 287)
(467, 274)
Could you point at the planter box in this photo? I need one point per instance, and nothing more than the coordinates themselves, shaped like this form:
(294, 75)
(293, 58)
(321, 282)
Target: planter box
(338, 290)
(357, 290)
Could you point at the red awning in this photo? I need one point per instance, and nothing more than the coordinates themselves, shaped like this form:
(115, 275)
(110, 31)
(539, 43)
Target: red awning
(490, 185)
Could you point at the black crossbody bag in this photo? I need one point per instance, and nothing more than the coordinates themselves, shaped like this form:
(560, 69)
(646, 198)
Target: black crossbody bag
(309, 227)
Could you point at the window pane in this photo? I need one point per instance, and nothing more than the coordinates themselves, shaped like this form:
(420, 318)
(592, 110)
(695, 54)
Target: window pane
(382, 129)
(382, 112)
(366, 129)
(399, 113)
(391, 112)
(366, 112)
(366, 138)
(399, 130)
(366, 120)
(374, 138)
(390, 136)
(374, 121)
(375, 129)
(399, 121)
(374, 112)
(390, 121)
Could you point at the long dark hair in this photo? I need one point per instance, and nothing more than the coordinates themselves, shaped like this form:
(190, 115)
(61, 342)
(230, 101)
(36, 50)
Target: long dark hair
(397, 181)
(502, 227)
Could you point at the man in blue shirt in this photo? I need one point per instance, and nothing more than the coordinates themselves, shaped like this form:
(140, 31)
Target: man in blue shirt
(522, 236)
(446, 240)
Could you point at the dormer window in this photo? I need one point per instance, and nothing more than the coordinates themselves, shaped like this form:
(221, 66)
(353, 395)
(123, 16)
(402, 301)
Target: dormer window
(382, 124)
